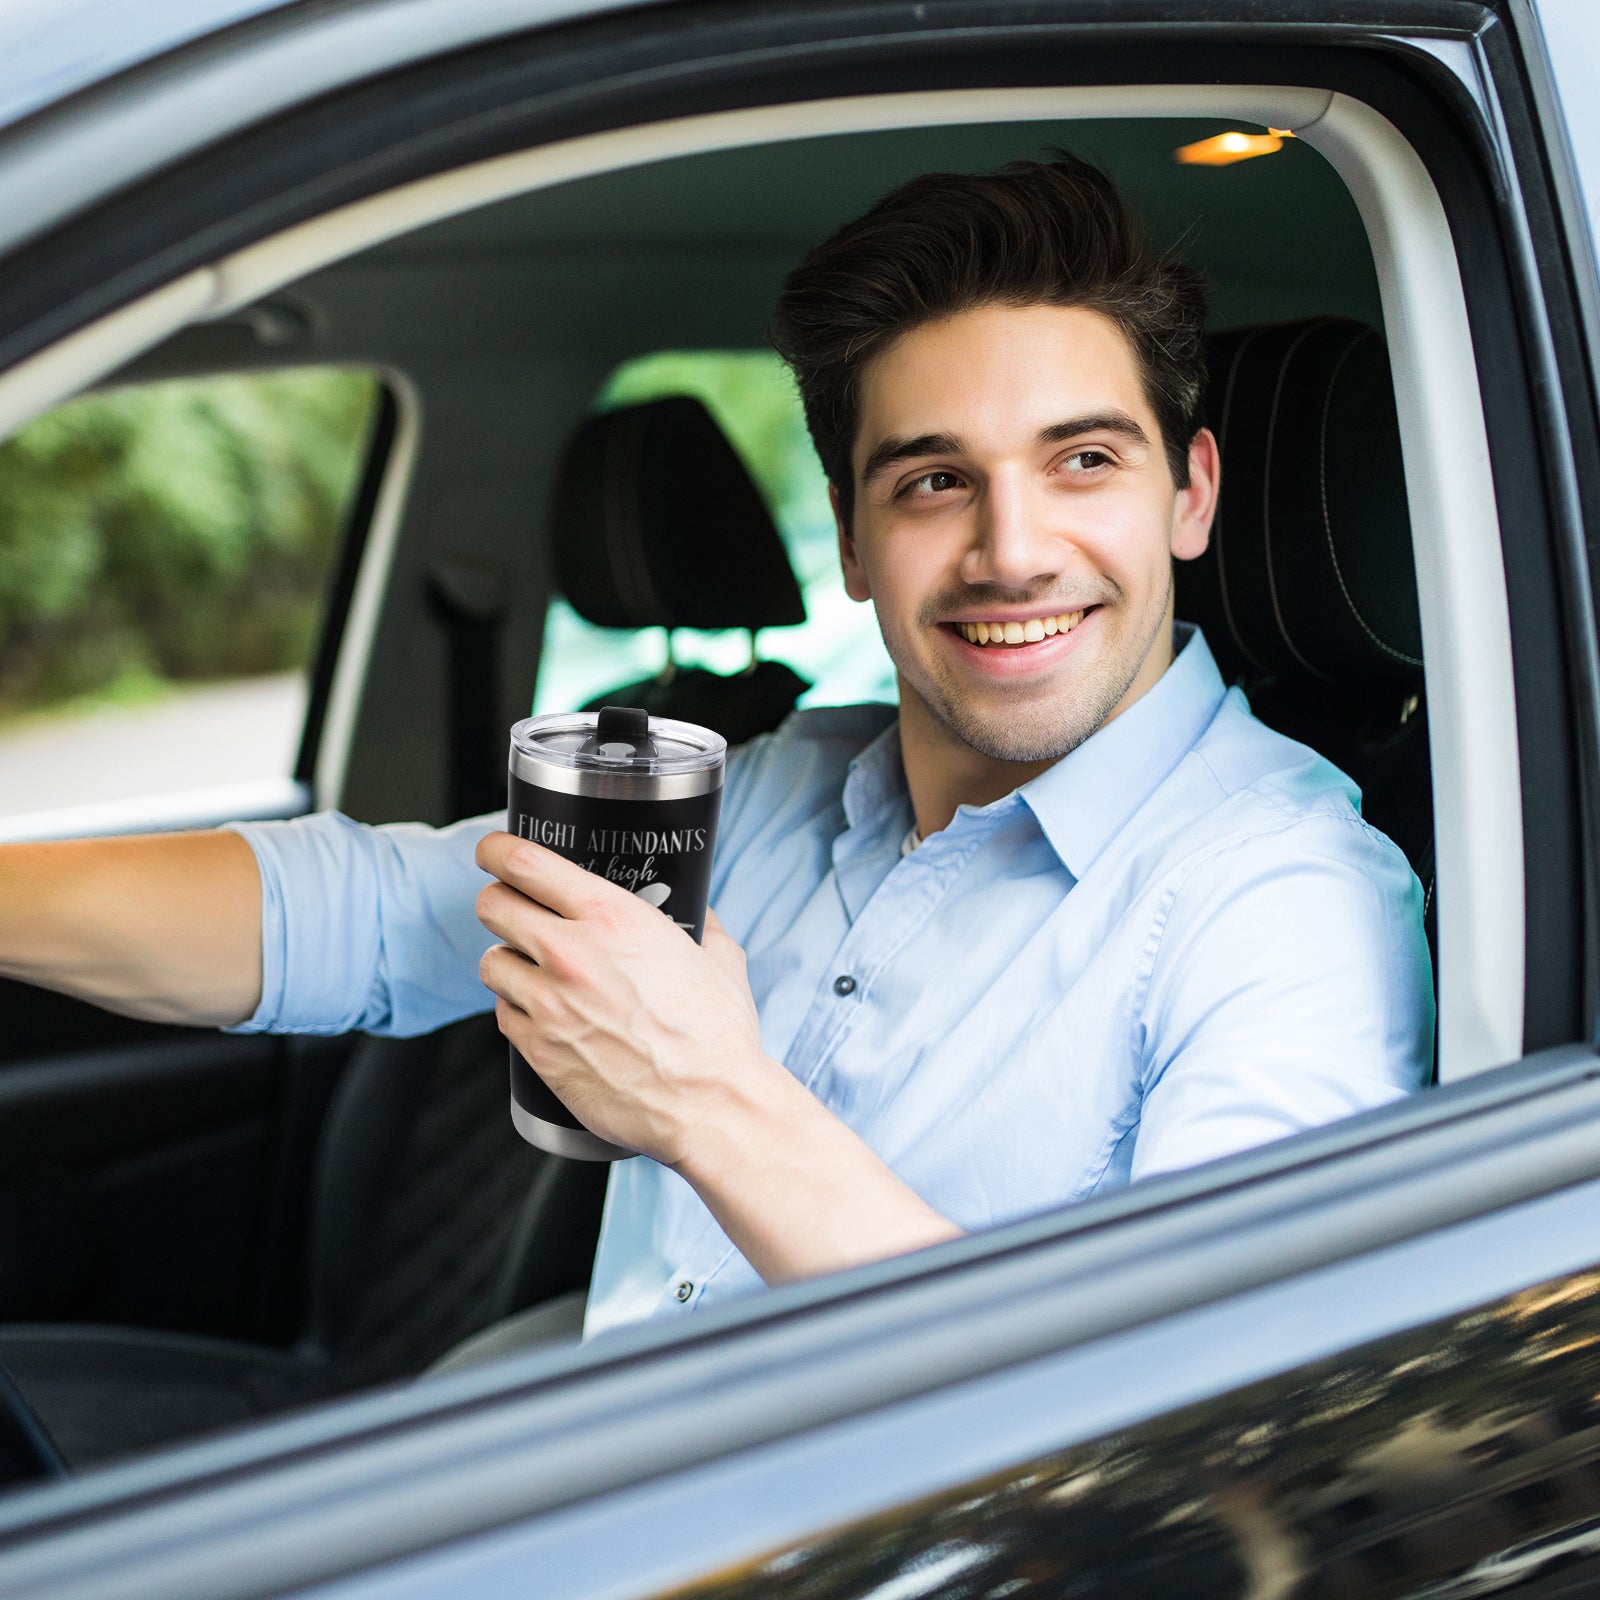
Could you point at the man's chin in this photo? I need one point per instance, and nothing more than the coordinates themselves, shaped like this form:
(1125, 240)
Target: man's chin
(1022, 747)
(1027, 729)
(1010, 733)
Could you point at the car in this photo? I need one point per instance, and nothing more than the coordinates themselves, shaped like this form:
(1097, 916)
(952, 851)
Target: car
(240, 1276)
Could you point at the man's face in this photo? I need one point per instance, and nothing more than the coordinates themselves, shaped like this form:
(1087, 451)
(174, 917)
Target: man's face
(1011, 483)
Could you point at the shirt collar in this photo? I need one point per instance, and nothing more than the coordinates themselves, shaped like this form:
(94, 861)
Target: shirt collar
(876, 776)
(1084, 800)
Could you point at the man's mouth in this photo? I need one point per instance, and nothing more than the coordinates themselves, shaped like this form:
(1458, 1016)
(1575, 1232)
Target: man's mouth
(1004, 633)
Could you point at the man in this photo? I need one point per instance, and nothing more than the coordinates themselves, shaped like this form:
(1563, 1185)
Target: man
(1067, 916)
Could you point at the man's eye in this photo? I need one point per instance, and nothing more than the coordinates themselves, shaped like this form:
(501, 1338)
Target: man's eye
(933, 483)
(1087, 460)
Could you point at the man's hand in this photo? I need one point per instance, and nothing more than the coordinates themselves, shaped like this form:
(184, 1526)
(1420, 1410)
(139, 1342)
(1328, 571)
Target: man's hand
(653, 1042)
(644, 1035)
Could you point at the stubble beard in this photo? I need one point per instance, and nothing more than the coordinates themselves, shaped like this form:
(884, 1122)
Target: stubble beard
(1039, 733)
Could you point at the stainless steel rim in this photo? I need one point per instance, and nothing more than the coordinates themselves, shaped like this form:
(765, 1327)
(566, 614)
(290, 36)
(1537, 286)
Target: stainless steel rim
(613, 785)
(576, 1144)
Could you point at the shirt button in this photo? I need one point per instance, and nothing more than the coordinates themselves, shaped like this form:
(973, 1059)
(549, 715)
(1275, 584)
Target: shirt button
(844, 984)
(683, 1291)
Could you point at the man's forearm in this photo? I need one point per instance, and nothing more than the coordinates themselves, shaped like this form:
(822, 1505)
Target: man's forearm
(797, 1191)
(163, 926)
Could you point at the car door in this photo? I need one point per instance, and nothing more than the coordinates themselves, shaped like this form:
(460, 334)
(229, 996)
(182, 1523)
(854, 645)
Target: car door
(1357, 1362)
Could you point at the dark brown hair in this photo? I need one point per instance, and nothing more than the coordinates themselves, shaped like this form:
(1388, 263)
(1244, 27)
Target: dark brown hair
(1034, 233)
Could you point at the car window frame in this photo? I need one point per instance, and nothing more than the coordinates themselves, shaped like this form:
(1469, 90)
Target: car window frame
(1482, 913)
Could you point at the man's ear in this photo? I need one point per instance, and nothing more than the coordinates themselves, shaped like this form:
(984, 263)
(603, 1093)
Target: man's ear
(855, 575)
(1196, 506)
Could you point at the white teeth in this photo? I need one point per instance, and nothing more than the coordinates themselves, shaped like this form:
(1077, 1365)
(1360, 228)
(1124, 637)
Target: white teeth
(1012, 633)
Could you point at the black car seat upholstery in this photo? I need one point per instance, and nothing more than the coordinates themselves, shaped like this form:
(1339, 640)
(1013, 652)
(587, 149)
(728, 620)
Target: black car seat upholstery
(430, 1218)
(1308, 594)
(657, 524)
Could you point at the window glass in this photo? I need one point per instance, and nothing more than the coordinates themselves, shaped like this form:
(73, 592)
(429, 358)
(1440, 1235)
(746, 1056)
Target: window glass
(837, 649)
(164, 554)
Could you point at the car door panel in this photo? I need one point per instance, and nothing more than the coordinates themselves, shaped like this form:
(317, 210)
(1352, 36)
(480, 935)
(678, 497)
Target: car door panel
(905, 1389)
(106, 1152)
(1400, 1462)
(151, 1175)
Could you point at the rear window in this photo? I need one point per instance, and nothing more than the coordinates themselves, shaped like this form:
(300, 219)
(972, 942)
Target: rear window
(837, 649)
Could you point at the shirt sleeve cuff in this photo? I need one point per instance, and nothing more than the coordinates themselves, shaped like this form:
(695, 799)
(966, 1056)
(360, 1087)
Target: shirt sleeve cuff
(268, 865)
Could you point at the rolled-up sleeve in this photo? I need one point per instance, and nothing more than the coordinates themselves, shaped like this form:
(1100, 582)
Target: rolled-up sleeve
(1291, 986)
(369, 929)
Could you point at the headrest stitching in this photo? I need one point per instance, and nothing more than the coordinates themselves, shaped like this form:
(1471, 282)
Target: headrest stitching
(1327, 521)
(1222, 566)
(1266, 503)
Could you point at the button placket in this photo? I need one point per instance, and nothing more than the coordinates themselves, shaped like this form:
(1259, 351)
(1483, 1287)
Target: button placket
(926, 882)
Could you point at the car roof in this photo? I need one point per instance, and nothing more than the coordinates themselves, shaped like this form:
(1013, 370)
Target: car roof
(50, 49)
(53, 49)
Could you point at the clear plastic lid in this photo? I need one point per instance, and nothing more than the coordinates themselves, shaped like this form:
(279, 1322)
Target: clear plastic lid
(619, 739)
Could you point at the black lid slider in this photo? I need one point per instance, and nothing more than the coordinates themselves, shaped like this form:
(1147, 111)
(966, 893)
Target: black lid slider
(621, 733)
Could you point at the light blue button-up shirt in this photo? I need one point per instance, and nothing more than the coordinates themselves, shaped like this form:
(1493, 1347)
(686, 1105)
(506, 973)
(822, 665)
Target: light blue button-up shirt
(1178, 941)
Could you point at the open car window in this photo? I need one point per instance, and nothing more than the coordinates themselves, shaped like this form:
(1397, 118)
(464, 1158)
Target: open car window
(836, 650)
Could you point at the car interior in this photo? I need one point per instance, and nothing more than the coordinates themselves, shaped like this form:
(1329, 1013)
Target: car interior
(364, 1204)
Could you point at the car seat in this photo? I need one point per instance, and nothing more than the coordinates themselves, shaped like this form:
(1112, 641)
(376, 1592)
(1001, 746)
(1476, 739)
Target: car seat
(658, 525)
(430, 1218)
(1308, 593)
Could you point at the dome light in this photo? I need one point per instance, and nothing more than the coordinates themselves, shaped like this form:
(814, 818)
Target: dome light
(1223, 149)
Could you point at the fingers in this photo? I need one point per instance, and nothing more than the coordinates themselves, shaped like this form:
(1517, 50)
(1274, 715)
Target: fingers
(565, 887)
(510, 975)
(523, 923)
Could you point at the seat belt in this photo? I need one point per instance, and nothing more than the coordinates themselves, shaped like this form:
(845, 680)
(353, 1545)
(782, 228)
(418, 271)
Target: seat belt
(469, 603)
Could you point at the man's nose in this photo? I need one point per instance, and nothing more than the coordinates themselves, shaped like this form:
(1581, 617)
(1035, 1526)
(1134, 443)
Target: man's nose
(1014, 543)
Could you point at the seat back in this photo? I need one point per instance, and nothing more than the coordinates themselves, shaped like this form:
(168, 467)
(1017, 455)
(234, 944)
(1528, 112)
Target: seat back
(432, 1217)
(1307, 594)
(657, 524)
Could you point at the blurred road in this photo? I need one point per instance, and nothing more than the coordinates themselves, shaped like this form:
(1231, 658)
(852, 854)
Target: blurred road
(222, 733)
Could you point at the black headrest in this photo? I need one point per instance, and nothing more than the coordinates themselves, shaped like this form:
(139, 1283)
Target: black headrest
(1309, 577)
(656, 524)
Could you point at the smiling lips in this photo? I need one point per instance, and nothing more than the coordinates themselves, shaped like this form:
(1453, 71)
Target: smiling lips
(1015, 633)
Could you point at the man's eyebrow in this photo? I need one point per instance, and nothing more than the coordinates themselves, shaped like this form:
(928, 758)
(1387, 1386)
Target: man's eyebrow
(1118, 422)
(897, 448)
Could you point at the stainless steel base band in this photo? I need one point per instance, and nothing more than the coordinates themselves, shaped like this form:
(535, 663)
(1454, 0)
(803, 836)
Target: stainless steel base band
(613, 785)
(577, 1144)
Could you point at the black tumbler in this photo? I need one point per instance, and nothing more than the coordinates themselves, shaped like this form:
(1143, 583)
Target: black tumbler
(633, 798)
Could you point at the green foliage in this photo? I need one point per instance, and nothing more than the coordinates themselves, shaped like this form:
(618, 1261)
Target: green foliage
(176, 531)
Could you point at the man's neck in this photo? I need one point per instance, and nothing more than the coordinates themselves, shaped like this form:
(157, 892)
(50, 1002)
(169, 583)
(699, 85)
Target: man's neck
(943, 771)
